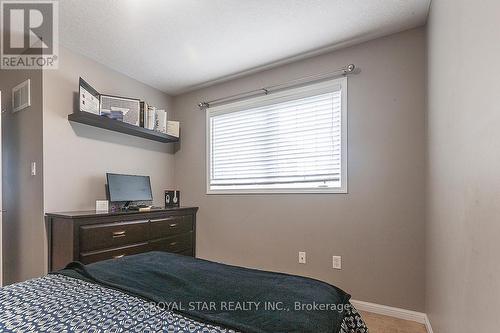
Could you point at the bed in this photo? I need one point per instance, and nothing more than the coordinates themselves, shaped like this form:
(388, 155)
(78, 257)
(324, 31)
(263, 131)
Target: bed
(163, 292)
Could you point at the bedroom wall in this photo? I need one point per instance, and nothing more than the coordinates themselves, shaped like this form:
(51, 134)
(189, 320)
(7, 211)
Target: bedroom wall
(463, 270)
(378, 227)
(77, 156)
(22, 235)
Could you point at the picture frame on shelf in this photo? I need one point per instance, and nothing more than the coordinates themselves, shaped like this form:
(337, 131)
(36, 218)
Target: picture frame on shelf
(89, 98)
(124, 109)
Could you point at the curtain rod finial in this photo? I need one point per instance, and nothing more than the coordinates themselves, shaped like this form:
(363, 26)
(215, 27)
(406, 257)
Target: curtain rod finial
(350, 67)
(203, 105)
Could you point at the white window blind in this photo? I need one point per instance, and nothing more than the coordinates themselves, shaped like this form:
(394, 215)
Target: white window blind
(290, 142)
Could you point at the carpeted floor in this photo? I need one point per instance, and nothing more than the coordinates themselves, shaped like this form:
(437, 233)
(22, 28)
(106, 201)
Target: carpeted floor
(383, 324)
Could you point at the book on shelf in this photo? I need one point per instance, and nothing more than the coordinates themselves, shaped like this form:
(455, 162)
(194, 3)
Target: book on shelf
(150, 118)
(155, 119)
(160, 124)
(142, 113)
(146, 117)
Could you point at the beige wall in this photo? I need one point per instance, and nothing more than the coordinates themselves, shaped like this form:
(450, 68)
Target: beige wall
(463, 230)
(77, 156)
(378, 227)
(23, 229)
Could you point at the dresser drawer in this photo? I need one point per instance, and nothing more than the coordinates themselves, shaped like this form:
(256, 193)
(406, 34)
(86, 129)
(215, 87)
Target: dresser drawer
(169, 226)
(175, 244)
(90, 237)
(109, 235)
(116, 253)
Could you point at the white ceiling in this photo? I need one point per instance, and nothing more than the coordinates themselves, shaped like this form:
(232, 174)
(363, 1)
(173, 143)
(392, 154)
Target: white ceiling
(177, 45)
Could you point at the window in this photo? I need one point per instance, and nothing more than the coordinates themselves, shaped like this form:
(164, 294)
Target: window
(291, 141)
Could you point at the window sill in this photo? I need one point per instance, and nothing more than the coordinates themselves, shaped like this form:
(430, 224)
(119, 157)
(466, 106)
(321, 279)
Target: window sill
(280, 191)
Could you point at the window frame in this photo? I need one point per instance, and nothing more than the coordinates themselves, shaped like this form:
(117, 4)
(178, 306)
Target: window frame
(276, 97)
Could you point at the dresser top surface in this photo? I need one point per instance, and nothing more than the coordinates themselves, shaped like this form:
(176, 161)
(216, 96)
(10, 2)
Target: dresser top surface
(93, 213)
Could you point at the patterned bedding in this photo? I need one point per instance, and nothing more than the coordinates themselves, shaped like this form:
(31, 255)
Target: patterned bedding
(57, 303)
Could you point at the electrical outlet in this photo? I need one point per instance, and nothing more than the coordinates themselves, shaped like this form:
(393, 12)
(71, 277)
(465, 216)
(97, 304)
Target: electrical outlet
(302, 257)
(337, 262)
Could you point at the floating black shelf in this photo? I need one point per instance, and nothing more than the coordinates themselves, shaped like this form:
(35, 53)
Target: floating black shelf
(119, 126)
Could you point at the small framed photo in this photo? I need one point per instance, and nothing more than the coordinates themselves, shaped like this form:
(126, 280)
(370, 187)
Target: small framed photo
(89, 98)
(121, 108)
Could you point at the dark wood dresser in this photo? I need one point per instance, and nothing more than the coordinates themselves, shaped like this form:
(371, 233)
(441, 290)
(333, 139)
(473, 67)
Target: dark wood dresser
(90, 236)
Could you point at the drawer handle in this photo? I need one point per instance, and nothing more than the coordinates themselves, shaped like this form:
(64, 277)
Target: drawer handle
(173, 225)
(173, 244)
(118, 257)
(118, 234)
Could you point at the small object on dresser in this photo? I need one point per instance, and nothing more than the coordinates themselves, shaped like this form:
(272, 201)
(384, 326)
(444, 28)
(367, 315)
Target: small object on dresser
(101, 206)
(140, 208)
(173, 128)
(172, 198)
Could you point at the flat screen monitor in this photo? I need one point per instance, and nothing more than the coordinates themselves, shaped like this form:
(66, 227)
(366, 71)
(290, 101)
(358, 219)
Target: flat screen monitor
(128, 188)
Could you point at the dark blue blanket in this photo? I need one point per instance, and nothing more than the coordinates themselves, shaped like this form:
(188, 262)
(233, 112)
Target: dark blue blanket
(234, 297)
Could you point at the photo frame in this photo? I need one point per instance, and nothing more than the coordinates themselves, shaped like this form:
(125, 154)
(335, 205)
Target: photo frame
(89, 98)
(125, 109)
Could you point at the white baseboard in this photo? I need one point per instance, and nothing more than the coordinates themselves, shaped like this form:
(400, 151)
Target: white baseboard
(428, 325)
(390, 311)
